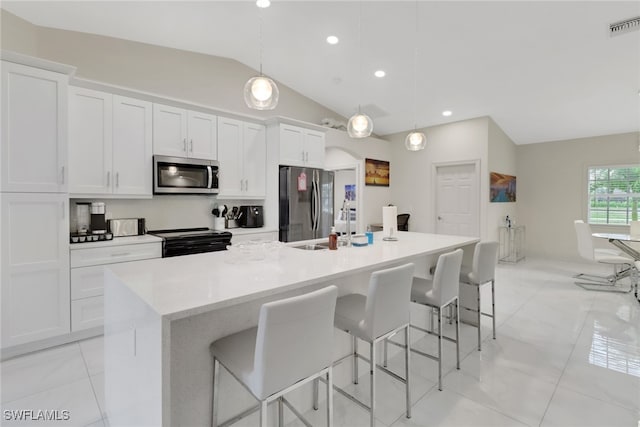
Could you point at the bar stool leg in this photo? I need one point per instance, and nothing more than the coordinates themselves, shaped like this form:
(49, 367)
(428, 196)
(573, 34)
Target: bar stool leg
(493, 306)
(263, 413)
(386, 354)
(214, 392)
(330, 397)
(457, 309)
(440, 348)
(316, 384)
(280, 411)
(355, 359)
(407, 366)
(372, 372)
(479, 315)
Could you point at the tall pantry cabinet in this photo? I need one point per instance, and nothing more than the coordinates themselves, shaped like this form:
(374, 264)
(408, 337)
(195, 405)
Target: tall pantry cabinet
(34, 204)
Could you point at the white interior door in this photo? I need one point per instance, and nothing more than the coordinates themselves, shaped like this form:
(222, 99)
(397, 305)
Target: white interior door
(457, 200)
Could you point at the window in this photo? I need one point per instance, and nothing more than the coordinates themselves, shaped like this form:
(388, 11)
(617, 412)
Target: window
(614, 194)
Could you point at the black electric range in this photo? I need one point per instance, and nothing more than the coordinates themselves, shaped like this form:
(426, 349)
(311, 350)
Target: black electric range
(186, 241)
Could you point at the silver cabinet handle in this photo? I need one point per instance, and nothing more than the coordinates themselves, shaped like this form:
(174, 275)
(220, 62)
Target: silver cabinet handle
(184, 145)
(191, 143)
(108, 178)
(122, 254)
(63, 175)
(246, 185)
(303, 156)
(117, 179)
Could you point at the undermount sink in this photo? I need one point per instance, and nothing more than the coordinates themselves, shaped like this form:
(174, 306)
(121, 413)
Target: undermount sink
(313, 246)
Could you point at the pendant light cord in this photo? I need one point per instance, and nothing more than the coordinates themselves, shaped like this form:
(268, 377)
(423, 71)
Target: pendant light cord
(360, 54)
(415, 73)
(260, 36)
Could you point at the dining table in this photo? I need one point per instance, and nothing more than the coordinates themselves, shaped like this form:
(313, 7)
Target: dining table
(624, 242)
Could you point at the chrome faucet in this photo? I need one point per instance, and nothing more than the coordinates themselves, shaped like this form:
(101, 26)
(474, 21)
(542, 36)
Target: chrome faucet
(346, 210)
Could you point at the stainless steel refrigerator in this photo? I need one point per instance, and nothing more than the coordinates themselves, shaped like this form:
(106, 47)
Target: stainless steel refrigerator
(306, 203)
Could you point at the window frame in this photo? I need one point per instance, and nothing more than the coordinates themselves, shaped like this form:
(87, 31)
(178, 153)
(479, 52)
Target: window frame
(607, 209)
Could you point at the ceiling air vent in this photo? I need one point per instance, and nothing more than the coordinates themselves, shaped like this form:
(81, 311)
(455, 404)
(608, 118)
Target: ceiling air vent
(625, 26)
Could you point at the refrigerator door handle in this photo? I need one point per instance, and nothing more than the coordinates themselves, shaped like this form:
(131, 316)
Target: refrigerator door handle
(318, 201)
(314, 202)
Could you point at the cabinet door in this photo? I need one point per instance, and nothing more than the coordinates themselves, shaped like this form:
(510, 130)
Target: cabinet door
(203, 135)
(255, 158)
(291, 145)
(132, 146)
(230, 157)
(169, 131)
(35, 267)
(314, 148)
(33, 157)
(90, 138)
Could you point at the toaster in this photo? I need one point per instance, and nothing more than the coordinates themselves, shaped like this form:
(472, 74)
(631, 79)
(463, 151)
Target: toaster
(127, 227)
(251, 217)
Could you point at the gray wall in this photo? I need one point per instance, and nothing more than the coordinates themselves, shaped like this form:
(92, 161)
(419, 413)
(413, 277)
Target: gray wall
(552, 188)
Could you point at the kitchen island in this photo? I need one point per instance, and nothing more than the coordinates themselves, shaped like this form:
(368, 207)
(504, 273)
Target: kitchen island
(162, 314)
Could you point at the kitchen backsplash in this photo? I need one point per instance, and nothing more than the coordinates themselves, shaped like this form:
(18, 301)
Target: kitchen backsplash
(163, 212)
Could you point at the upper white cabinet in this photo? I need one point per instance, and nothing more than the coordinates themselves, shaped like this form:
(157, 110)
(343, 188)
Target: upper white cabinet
(242, 153)
(34, 267)
(110, 144)
(184, 133)
(301, 147)
(33, 157)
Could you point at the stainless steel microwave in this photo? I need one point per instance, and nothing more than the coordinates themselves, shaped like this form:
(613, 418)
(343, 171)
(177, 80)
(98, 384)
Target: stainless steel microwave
(178, 175)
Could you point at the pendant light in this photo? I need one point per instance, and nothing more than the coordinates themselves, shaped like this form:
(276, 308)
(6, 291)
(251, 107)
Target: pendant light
(360, 125)
(415, 141)
(260, 92)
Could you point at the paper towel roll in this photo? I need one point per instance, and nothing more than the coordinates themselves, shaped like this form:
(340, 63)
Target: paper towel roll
(389, 221)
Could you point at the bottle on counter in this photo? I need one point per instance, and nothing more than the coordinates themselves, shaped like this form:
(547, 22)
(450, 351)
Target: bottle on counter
(333, 239)
(369, 235)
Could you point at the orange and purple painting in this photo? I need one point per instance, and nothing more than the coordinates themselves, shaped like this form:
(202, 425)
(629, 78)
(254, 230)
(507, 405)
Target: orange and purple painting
(503, 188)
(376, 172)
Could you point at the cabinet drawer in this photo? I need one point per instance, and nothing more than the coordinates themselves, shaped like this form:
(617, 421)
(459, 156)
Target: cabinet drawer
(267, 235)
(114, 254)
(87, 313)
(87, 282)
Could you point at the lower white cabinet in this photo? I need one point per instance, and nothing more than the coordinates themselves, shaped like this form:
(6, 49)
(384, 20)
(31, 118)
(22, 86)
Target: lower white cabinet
(34, 267)
(87, 277)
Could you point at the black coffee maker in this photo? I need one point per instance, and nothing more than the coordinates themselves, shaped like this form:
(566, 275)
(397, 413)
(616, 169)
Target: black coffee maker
(251, 217)
(98, 218)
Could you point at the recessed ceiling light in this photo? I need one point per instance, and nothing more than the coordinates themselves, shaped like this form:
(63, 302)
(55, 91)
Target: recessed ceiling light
(380, 73)
(447, 113)
(263, 3)
(332, 40)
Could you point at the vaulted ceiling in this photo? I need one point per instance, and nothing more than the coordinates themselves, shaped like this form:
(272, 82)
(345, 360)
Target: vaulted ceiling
(542, 70)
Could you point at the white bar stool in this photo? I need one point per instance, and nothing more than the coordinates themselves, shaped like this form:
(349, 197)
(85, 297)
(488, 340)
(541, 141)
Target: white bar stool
(375, 317)
(483, 272)
(438, 294)
(292, 345)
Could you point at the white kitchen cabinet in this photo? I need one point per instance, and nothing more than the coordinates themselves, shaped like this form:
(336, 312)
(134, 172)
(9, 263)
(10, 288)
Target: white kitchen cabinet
(34, 267)
(33, 157)
(87, 276)
(132, 146)
(242, 154)
(90, 141)
(301, 147)
(110, 144)
(184, 133)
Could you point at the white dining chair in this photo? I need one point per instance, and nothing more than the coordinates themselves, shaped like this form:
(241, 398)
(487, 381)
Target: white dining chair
(291, 346)
(382, 313)
(611, 257)
(437, 294)
(482, 272)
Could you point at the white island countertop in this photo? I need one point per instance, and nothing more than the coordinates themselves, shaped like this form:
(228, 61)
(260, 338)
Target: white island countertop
(184, 286)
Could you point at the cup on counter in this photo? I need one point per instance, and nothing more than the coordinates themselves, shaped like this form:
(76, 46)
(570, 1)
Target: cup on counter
(369, 235)
(218, 224)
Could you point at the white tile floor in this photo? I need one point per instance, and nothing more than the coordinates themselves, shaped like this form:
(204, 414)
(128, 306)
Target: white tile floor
(563, 357)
